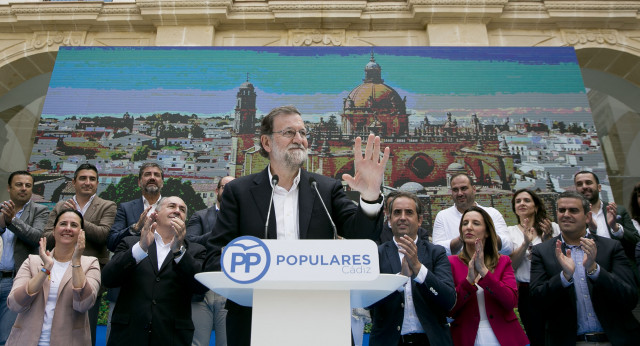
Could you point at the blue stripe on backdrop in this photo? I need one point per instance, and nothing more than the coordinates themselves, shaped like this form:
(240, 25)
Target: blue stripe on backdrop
(101, 335)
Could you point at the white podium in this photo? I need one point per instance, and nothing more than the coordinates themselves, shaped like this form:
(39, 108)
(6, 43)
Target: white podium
(289, 313)
(302, 291)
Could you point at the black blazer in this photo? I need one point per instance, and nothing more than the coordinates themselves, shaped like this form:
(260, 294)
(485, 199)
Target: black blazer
(128, 214)
(432, 299)
(246, 201)
(154, 306)
(613, 294)
(200, 224)
(630, 236)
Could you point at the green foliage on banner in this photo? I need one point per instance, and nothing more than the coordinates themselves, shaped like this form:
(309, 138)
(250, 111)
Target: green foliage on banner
(127, 189)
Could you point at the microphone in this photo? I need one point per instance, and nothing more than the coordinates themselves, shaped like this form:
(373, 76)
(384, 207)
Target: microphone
(274, 183)
(314, 185)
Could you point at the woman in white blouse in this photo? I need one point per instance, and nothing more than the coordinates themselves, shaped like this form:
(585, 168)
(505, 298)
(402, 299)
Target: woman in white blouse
(53, 291)
(533, 228)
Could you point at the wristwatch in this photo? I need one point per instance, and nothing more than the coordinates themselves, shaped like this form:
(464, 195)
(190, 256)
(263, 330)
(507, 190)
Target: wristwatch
(180, 252)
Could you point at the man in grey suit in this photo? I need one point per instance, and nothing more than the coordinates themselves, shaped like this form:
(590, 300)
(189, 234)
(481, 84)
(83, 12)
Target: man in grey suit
(21, 225)
(208, 310)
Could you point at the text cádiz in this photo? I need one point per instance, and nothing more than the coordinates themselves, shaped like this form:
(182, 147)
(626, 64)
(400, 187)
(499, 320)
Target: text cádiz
(348, 262)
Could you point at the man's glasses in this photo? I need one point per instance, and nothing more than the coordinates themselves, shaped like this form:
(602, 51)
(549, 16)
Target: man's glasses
(290, 133)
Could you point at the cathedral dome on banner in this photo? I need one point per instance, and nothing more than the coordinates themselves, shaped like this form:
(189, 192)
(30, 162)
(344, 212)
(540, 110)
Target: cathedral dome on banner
(373, 102)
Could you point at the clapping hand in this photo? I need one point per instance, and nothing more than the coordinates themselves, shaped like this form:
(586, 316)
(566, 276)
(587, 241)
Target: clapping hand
(612, 215)
(146, 234)
(566, 262)
(528, 232)
(79, 249)
(479, 265)
(179, 231)
(45, 255)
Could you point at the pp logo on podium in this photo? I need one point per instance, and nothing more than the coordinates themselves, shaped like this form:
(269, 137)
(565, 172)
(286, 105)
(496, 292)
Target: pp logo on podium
(245, 259)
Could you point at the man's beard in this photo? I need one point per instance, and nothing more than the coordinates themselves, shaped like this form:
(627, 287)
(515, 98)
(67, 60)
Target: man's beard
(293, 159)
(152, 189)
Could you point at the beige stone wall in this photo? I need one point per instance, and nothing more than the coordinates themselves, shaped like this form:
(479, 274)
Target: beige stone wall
(606, 34)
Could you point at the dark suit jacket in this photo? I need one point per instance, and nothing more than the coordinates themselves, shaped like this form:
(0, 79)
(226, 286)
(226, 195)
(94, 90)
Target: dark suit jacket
(154, 306)
(613, 294)
(97, 222)
(200, 224)
(28, 230)
(387, 234)
(630, 235)
(246, 201)
(127, 215)
(432, 299)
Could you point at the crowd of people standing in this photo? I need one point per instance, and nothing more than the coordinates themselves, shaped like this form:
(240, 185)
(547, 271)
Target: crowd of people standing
(572, 281)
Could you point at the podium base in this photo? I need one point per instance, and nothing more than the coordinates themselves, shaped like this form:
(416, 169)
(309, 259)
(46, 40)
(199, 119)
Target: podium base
(297, 317)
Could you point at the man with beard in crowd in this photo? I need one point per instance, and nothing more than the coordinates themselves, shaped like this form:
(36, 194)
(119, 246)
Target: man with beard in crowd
(131, 215)
(609, 220)
(297, 212)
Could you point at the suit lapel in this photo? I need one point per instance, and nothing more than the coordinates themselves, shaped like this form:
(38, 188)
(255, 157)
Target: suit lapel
(27, 211)
(92, 208)
(166, 261)
(261, 193)
(138, 209)
(210, 219)
(391, 251)
(422, 252)
(306, 198)
(65, 279)
(153, 257)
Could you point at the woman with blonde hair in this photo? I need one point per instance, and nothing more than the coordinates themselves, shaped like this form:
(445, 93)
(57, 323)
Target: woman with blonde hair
(53, 291)
(485, 287)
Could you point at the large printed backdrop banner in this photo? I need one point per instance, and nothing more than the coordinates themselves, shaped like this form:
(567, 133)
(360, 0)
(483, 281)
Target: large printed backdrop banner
(509, 117)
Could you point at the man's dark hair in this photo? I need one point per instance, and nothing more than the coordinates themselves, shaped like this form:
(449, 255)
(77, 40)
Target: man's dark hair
(18, 173)
(266, 127)
(595, 177)
(462, 174)
(409, 195)
(586, 206)
(83, 167)
(389, 197)
(147, 165)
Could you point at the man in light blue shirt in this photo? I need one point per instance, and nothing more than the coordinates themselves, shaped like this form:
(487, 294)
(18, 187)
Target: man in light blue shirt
(21, 224)
(583, 282)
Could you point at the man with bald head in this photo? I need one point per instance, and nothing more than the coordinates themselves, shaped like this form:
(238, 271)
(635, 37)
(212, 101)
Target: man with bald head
(155, 271)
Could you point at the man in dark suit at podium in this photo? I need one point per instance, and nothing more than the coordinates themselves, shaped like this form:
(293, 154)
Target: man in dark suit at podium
(297, 211)
(417, 313)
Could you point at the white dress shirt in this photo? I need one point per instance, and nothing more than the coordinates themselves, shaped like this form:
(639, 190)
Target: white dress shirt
(410, 322)
(86, 206)
(447, 227)
(285, 206)
(162, 250)
(603, 229)
(523, 272)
